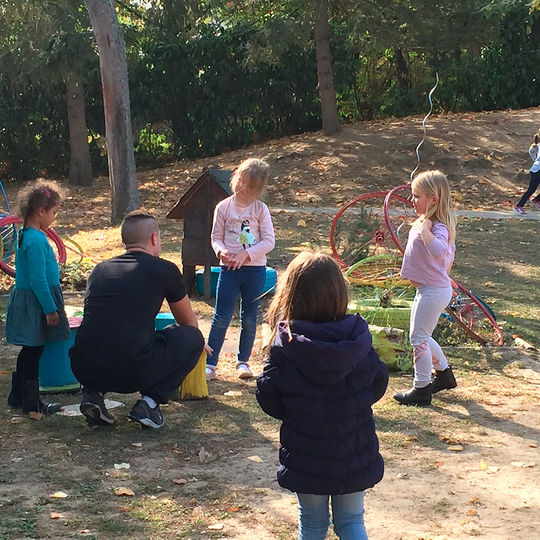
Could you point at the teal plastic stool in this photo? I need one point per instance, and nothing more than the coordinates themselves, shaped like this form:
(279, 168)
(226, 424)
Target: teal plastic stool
(163, 320)
(55, 373)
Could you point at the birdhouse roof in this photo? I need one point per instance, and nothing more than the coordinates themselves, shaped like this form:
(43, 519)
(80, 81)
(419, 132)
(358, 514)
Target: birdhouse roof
(220, 177)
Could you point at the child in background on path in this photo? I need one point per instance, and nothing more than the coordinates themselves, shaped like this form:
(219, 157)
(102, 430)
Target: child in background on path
(534, 152)
(427, 260)
(321, 380)
(35, 312)
(242, 235)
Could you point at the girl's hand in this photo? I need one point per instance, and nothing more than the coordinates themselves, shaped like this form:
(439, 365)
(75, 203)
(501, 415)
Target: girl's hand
(225, 257)
(207, 348)
(238, 260)
(52, 318)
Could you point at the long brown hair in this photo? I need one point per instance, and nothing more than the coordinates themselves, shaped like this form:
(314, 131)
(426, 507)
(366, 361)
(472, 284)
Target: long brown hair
(312, 288)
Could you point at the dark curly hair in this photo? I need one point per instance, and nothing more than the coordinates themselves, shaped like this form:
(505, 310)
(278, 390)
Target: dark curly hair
(36, 195)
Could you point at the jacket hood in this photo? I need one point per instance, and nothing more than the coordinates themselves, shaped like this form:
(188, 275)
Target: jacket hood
(326, 352)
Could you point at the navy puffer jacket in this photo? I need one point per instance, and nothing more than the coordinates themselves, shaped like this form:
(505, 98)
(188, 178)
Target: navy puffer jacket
(322, 384)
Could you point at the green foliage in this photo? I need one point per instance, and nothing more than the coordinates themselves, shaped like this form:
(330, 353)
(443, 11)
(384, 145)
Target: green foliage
(152, 145)
(212, 76)
(73, 276)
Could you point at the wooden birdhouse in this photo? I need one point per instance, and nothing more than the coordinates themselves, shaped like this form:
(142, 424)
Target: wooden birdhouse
(196, 208)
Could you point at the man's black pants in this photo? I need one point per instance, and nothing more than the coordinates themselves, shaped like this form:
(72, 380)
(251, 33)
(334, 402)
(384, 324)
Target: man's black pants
(175, 352)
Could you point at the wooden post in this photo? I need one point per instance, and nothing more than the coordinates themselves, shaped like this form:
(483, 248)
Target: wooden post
(189, 277)
(207, 282)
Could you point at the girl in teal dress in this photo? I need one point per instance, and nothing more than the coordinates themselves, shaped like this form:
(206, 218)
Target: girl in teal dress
(35, 312)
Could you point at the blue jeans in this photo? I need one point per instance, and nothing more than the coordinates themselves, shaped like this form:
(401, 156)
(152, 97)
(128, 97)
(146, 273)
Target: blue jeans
(248, 283)
(347, 516)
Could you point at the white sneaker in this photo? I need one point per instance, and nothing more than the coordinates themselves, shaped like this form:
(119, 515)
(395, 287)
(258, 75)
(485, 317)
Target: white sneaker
(243, 371)
(210, 373)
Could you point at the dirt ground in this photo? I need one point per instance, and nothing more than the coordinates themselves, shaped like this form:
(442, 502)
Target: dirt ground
(469, 466)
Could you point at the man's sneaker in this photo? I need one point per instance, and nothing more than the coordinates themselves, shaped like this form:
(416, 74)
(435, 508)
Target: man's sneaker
(210, 373)
(520, 211)
(93, 408)
(443, 380)
(145, 415)
(536, 203)
(243, 371)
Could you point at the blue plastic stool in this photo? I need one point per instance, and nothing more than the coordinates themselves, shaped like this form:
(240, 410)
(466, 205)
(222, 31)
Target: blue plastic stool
(269, 283)
(163, 320)
(55, 373)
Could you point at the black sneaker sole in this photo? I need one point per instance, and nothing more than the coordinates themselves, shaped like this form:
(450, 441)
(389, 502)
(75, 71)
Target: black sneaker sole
(94, 416)
(145, 422)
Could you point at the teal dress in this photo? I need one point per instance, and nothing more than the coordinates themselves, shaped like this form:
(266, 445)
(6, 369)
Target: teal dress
(36, 292)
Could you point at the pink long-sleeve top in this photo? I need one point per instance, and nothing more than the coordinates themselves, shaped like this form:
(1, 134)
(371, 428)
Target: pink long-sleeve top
(235, 224)
(428, 265)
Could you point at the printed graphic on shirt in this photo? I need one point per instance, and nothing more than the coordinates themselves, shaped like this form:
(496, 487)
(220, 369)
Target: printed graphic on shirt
(245, 237)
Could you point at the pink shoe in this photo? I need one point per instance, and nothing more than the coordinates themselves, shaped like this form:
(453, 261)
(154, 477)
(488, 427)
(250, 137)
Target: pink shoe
(536, 203)
(519, 211)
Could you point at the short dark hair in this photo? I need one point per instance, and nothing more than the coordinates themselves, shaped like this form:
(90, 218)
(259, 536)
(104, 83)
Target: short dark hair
(39, 194)
(312, 288)
(137, 227)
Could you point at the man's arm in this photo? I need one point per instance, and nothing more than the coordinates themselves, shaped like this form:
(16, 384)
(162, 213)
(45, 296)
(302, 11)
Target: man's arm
(183, 312)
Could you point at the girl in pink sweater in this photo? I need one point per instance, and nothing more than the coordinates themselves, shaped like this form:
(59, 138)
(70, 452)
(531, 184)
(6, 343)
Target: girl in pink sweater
(427, 261)
(242, 235)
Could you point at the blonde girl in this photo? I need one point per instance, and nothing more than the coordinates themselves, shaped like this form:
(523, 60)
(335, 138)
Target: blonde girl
(427, 260)
(321, 380)
(242, 235)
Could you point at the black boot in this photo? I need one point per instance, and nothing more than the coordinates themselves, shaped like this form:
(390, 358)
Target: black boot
(32, 402)
(15, 398)
(415, 396)
(443, 380)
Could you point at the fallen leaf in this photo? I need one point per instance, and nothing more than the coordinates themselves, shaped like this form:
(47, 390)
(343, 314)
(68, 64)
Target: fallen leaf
(17, 419)
(119, 466)
(483, 465)
(123, 492)
(137, 444)
(493, 468)
(455, 448)
(529, 465)
(474, 500)
(532, 445)
(59, 495)
(256, 459)
(180, 481)
(233, 509)
(125, 509)
(517, 463)
(403, 475)
(233, 393)
(55, 515)
(472, 512)
(216, 527)
(302, 223)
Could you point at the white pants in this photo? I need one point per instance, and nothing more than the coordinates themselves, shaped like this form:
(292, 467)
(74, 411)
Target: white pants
(427, 307)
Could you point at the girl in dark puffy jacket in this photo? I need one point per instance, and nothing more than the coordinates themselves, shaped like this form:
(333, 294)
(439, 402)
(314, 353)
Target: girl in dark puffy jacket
(321, 380)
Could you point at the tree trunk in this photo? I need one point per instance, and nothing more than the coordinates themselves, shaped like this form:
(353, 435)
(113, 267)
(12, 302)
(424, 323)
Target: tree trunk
(402, 69)
(327, 94)
(80, 166)
(114, 81)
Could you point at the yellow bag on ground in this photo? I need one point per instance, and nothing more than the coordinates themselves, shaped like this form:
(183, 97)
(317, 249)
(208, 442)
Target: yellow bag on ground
(194, 385)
